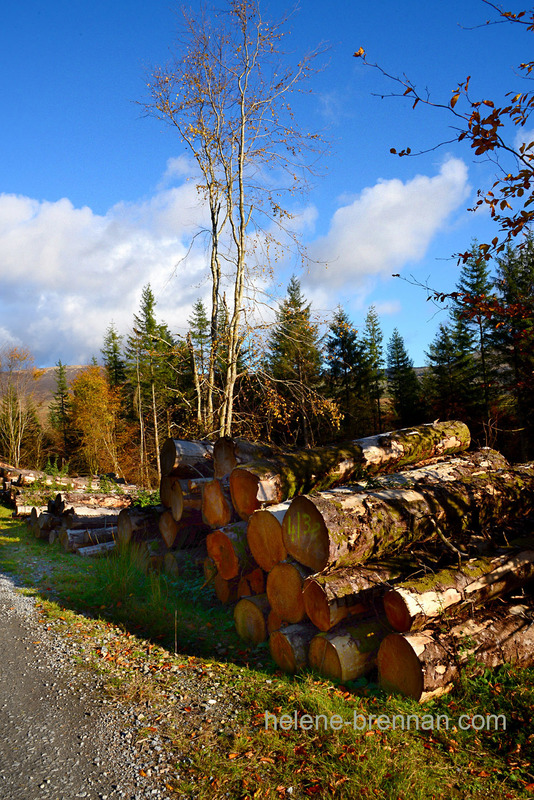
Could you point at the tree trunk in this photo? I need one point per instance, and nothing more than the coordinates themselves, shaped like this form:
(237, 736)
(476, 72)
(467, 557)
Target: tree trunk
(250, 615)
(217, 509)
(471, 493)
(264, 535)
(330, 597)
(229, 550)
(228, 453)
(71, 540)
(289, 646)
(186, 459)
(349, 650)
(284, 590)
(410, 604)
(424, 665)
(268, 482)
(134, 524)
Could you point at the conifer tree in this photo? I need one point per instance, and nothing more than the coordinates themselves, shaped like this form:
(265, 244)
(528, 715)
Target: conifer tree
(403, 382)
(60, 409)
(114, 362)
(348, 375)
(372, 338)
(449, 381)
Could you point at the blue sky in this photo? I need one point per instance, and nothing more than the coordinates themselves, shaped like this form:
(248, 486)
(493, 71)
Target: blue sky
(95, 201)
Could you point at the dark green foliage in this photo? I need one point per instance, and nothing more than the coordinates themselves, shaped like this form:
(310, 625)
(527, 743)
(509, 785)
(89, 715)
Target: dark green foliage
(449, 381)
(60, 408)
(348, 374)
(113, 360)
(372, 338)
(403, 383)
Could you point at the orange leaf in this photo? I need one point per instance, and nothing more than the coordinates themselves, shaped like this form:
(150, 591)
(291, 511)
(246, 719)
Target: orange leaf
(233, 755)
(454, 100)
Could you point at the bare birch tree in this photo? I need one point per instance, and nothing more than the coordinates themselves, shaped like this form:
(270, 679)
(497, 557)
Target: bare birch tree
(227, 92)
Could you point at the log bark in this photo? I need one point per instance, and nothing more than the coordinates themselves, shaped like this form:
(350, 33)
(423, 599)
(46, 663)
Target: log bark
(97, 549)
(71, 540)
(289, 646)
(284, 590)
(135, 524)
(264, 535)
(250, 615)
(469, 493)
(425, 664)
(229, 549)
(228, 453)
(186, 459)
(331, 597)
(217, 509)
(349, 650)
(268, 482)
(411, 604)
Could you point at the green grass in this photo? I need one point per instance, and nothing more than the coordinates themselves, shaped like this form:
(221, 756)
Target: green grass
(243, 759)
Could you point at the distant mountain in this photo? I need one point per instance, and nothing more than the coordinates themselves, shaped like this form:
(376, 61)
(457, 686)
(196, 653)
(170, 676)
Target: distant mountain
(44, 387)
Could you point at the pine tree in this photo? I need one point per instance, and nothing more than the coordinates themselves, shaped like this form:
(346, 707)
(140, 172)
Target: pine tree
(403, 382)
(60, 409)
(514, 335)
(348, 374)
(372, 338)
(449, 381)
(149, 353)
(295, 357)
(113, 360)
(475, 288)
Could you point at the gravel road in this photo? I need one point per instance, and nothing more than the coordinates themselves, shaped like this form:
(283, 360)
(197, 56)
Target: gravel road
(60, 737)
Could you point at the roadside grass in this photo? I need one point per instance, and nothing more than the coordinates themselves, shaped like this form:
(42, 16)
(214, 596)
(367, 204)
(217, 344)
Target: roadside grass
(128, 625)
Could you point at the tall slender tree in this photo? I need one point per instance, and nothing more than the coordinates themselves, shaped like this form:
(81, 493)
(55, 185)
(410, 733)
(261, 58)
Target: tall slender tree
(373, 338)
(114, 362)
(60, 409)
(226, 93)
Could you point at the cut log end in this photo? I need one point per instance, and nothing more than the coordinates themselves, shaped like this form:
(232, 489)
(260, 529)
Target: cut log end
(223, 554)
(284, 590)
(289, 646)
(216, 506)
(305, 535)
(399, 667)
(397, 611)
(250, 615)
(244, 491)
(264, 535)
(324, 658)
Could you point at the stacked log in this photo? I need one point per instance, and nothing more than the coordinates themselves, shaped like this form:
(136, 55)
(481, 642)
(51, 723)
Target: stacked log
(347, 554)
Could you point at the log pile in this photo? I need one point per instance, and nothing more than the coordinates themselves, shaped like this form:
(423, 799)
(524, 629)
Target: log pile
(354, 576)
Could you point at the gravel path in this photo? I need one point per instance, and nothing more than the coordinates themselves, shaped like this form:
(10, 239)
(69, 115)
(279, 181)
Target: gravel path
(60, 737)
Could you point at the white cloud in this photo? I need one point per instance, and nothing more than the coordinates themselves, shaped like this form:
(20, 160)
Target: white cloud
(66, 272)
(387, 226)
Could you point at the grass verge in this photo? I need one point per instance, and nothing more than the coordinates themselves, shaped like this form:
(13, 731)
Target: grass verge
(167, 647)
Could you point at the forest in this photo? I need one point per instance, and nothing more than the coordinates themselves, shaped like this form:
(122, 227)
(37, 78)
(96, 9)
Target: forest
(298, 384)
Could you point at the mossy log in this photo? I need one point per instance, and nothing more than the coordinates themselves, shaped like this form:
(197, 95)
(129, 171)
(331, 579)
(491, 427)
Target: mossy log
(251, 582)
(135, 524)
(348, 650)
(411, 604)
(217, 508)
(330, 597)
(228, 453)
(229, 549)
(273, 481)
(264, 535)
(250, 615)
(425, 664)
(186, 459)
(289, 646)
(471, 493)
(284, 590)
(101, 549)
